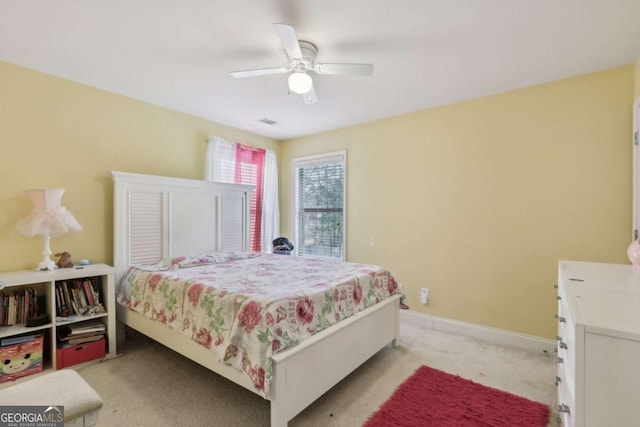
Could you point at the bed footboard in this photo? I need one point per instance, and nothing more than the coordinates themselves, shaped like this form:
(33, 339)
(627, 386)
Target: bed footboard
(306, 372)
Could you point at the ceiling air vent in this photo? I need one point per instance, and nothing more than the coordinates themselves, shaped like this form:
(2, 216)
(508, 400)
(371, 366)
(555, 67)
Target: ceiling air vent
(267, 121)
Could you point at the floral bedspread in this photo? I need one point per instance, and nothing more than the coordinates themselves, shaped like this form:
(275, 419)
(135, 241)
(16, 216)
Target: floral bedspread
(246, 307)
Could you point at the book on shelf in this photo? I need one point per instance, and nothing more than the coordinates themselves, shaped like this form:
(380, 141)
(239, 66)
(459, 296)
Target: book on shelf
(88, 290)
(96, 290)
(64, 296)
(81, 335)
(81, 328)
(61, 305)
(80, 340)
(11, 310)
(17, 306)
(78, 297)
(81, 332)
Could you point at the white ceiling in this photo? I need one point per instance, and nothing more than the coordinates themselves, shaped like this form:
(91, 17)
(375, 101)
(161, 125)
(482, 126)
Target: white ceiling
(426, 53)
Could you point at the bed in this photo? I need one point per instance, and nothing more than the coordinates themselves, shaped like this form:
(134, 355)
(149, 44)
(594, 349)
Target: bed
(158, 220)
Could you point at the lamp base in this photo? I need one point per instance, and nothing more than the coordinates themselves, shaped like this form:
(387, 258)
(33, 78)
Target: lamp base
(47, 264)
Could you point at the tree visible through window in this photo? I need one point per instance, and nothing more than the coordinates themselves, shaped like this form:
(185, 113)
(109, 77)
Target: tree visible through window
(319, 204)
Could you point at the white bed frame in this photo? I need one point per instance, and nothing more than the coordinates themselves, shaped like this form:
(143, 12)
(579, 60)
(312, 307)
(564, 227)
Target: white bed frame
(157, 217)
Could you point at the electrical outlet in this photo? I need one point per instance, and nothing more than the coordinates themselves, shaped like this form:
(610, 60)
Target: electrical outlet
(424, 295)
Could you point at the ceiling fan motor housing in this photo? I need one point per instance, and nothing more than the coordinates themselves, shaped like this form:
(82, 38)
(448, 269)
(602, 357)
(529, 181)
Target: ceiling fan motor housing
(309, 51)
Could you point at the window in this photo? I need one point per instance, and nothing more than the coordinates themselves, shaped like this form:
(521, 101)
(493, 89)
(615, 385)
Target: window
(320, 205)
(240, 164)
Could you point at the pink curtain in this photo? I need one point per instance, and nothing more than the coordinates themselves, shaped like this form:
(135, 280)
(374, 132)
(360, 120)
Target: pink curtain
(249, 170)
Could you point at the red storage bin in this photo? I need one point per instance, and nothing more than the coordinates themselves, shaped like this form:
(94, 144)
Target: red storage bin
(20, 360)
(80, 353)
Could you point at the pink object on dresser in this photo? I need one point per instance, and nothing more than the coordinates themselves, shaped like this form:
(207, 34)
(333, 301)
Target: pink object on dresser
(633, 252)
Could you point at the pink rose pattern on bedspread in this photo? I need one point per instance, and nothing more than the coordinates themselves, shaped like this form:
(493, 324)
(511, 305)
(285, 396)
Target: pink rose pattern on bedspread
(250, 308)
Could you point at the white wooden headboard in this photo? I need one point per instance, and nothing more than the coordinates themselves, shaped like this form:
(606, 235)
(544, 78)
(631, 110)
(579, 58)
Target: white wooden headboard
(157, 217)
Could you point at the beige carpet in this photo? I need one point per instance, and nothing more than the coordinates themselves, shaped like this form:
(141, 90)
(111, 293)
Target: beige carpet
(150, 385)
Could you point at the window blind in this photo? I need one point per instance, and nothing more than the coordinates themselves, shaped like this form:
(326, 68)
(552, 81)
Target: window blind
(319, 204)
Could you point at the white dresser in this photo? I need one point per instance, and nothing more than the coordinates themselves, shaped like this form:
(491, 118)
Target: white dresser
(598, 344)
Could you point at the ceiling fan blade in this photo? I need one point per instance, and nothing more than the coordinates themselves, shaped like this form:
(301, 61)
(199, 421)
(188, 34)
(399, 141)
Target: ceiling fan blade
(352, 69)
(260, 72)
(289, 40)
(310, 97)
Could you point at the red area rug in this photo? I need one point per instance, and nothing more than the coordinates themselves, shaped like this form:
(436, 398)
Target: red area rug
(434, 398)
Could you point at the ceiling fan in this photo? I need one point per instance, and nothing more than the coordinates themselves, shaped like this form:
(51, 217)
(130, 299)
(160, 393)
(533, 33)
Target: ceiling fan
(302, 55)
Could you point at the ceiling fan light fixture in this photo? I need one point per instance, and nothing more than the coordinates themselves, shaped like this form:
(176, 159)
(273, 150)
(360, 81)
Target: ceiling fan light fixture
(300, 83)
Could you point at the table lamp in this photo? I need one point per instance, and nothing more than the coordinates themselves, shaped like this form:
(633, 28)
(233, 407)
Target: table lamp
(47, 219)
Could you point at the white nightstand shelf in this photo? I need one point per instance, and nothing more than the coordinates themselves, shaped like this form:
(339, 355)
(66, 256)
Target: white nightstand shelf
(45, 284)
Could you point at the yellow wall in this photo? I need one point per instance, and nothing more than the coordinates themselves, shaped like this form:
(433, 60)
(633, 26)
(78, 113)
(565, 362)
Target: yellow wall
(476, 200)
(479, 200)
(56, 133)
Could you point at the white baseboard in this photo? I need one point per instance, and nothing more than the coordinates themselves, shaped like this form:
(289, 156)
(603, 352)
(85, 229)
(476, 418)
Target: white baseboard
(485, 333)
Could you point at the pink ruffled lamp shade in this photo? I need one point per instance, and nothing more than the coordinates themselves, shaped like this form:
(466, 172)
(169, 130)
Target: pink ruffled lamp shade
(633, 252)
(47, 219)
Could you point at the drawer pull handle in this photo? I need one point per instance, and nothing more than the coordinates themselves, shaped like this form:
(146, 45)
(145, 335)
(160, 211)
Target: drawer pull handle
(558, 380)
(555, 286)
(564, 408)
(560, 360)
(563, 345)
(558, 297)
(561, 319)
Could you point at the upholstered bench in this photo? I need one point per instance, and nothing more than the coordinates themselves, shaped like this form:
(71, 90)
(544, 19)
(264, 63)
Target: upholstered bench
(63, 388)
